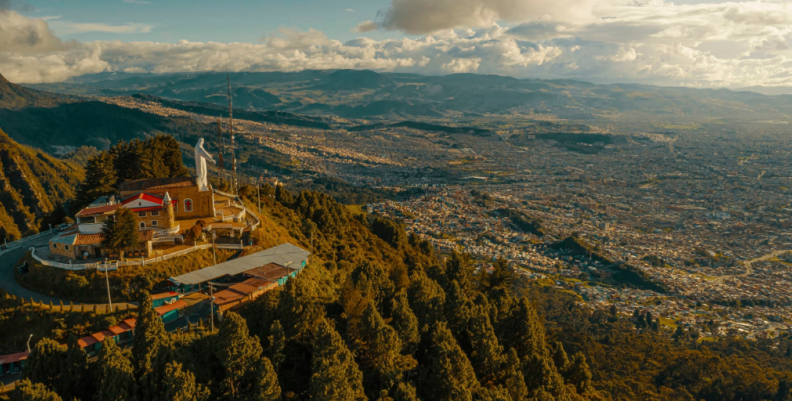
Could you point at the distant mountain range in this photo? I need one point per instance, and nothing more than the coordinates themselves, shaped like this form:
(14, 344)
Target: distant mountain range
(467, 98)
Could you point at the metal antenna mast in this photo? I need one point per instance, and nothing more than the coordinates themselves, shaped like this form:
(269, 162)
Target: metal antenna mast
(220, 150)
(231, 134)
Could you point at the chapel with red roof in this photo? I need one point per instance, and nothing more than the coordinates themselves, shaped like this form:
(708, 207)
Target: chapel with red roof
(159, 205)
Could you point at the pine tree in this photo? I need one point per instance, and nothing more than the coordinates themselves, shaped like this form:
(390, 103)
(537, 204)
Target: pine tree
(502, 276)
(523, 331)
(277, 344)
(171, 155)
(460, 269)
(372, 280)
(511, 376)
(404, 321)
(578, 374)
(427, 300)
(152, 162)
(72, 382)
(44, 363)
(100, 180)
(120, 232)
(493, 394)
(115, 374)
(128, 159)
(379, 348)
(267, 388)
(560, 359)
(25, 390)
(457, 310)
(405, 392)
(239, 354)
(448, 374)
(486, 352)
(179, 384)
(541, 375)
(283, 196)
(147, 344)
(336, 376)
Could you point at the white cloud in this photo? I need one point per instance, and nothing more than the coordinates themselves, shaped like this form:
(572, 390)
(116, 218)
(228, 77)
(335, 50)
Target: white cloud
(459, 65)
(26, 35)
(82, 27)
(349, 10)
(366, 26)
(704, 45)
(426, 16)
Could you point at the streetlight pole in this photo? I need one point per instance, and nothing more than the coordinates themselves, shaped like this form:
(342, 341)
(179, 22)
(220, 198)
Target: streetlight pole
(211, 306)
(107, 280)
(214, 252)
(28, 343)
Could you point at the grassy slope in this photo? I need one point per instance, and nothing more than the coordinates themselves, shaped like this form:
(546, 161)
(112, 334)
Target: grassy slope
(31, 184)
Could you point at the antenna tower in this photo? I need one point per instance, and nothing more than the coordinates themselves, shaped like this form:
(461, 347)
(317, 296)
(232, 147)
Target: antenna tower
(220, 147)
(231, 134)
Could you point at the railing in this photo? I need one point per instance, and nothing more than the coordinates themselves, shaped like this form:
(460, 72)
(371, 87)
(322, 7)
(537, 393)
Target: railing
(245, 211)
(22, 241)
(168, 238)
(117, 264)
(163, 257)
(73, 266)
(230, 246)
(167, 231)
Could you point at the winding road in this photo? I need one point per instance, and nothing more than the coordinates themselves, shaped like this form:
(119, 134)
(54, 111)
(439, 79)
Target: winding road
(748, 265)
(8, 262)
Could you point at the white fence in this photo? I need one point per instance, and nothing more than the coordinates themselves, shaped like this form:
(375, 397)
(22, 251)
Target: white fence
(117, 264)
(139, 262)
(73, 266)
(22, 241)
(230, 246)
(169, 238)
(242, 206)
(167, 231)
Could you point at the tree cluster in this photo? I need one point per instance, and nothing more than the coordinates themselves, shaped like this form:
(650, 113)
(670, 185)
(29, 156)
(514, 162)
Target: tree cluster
(156, 157)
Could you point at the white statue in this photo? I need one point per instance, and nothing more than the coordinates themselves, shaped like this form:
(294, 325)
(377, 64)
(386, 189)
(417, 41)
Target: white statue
(201, 156)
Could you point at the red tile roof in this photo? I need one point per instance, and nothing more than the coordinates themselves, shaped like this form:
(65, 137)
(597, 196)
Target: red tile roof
(168, 294)
(19, 356)
(142, 196)
(243, 288)
(116, 330)
(88, 239)
(226, 296)
(87, 341)
(257, 282)
(170, 307)
(131, 322)
(89, 211)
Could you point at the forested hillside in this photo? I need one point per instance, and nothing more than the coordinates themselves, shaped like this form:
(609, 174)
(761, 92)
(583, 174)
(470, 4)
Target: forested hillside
(15, 96)
(33, 188)
(379, 315)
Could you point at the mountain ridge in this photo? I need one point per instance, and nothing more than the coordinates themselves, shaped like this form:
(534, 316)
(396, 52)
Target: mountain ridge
(32, 185)
(373, 95)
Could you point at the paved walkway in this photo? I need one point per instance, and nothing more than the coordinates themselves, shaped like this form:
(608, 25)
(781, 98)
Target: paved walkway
(8, 262)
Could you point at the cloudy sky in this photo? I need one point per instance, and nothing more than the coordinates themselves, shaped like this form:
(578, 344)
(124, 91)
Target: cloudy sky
(698, 43)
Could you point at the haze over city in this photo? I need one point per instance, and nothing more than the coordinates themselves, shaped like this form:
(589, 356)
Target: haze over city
(395, 200)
